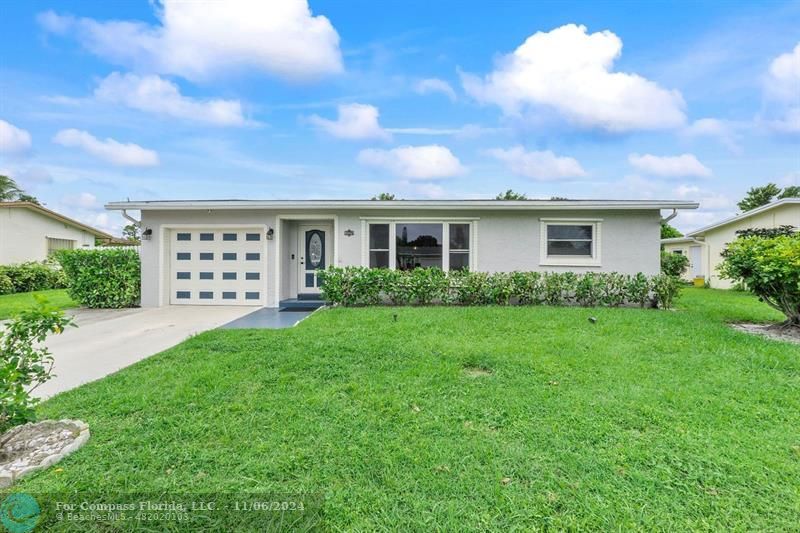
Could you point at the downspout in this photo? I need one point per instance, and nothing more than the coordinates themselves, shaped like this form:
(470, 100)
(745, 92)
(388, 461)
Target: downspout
(125, 214)
(673, 215)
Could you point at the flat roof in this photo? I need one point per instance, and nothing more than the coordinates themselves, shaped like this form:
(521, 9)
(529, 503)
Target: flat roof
(743, 216)
(405, 204)
(57, 216)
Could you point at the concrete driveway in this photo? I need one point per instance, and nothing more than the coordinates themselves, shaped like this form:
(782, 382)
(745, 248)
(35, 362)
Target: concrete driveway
(107, 340)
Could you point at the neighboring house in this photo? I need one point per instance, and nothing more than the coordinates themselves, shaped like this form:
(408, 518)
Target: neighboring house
(704, 246)
(248, 252)
(30, 232)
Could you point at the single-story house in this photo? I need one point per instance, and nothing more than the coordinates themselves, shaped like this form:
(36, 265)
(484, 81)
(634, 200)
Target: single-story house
(251, 252)
(31, 232)
(704, 246)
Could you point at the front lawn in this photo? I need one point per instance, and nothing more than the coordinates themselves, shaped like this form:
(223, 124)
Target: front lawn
(11, 304)
(465, 419)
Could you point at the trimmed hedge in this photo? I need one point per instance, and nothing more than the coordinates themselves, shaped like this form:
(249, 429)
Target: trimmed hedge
(32, 276)
(674, 264)
(359, 286)
(98, 278)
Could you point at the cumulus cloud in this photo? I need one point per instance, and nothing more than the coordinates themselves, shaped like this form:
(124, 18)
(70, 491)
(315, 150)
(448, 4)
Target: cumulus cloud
(783, 78)
(355, 121)
(114, 152)
(782, 88)
(200, 40)
(538, 165)
(570, 71)
(435, 85)
(13, 140)
(83, 200)
(684, 165)
(428, 162)
(724, 131)
(154, 94)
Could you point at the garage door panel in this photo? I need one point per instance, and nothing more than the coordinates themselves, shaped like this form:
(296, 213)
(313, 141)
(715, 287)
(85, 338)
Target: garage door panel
(217, 266)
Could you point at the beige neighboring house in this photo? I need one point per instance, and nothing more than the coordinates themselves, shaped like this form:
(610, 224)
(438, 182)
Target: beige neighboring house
(30, 232)
(704, 246)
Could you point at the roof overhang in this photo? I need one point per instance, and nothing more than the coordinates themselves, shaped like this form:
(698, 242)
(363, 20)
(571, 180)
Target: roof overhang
(57, 216)
(482, 205)
(743, 216)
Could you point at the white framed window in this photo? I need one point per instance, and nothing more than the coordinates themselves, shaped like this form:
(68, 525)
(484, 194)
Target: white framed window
(402, 244)
(54, 245)
(570, 242)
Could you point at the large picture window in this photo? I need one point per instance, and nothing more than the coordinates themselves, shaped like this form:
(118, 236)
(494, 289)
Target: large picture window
(406, 245)
(418, 246)
(570, 242)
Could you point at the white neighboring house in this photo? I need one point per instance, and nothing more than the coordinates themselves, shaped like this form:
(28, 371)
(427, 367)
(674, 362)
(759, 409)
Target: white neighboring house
(704, 246)
(268, 252)
(30, 232)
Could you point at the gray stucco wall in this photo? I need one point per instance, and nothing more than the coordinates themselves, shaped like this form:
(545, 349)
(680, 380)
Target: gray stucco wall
(505, 241)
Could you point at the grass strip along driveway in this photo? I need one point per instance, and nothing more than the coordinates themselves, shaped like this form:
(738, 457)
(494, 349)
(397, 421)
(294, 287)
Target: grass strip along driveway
(11, 304)
(465, 418)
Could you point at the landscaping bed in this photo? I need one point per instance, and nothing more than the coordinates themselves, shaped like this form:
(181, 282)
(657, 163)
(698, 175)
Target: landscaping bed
(464, 418)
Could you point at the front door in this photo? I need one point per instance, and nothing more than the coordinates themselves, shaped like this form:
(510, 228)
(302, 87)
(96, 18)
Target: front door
(314, 246)
(696, 261)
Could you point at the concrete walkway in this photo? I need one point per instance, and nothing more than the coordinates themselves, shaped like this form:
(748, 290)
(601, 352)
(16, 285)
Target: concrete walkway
(268, 318)
(107, 340)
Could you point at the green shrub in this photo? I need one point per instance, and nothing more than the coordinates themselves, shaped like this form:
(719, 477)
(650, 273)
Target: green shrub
(769, 268)
(102, 278)
(27, 277)
(354, 286)
(673, 264)
(6, 286)
(25, 363)
(666, 290)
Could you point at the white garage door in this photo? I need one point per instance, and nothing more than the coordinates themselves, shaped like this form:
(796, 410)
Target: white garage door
(217, 266)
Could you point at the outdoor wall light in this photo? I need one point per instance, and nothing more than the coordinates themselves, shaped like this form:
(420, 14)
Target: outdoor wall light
(270, 234)
(349, 232)
(147, 234)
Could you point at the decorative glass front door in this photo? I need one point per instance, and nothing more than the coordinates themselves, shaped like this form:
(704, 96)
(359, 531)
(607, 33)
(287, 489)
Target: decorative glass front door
(313, 257)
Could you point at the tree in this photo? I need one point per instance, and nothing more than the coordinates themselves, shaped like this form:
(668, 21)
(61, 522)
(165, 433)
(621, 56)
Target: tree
(768, 267)
(758, 196)
(9, 190)
(384, 196)
(510, 194)
(792, 191)
(131, 233)
(669, 232)
(23, 197)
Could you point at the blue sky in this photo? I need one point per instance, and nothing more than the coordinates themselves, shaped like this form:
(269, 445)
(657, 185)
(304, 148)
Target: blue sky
(103, 101)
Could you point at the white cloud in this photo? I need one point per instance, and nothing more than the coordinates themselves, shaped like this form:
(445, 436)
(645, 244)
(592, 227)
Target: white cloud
(686, 190)
(414, 162)
(783, 79)
(429, 190)
(355, 121)
(782, 87)
(435, 85)
(724, 131)
(538, 165)
(13, 139)
(84, 200)
(154, 94)
(569, 70)
(684, 165)
(200, 40)
(114, 152)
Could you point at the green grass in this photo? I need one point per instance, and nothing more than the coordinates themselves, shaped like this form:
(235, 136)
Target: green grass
(645, 420)
(11, 304)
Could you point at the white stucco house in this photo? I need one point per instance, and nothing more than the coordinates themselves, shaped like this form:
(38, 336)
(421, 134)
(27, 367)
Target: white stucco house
(251, 252)
(704, 246)
(31, 232)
